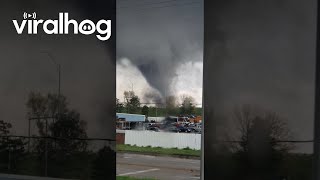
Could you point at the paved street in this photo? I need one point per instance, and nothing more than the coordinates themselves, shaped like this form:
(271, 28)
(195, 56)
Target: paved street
(143, 166)
(158, 167)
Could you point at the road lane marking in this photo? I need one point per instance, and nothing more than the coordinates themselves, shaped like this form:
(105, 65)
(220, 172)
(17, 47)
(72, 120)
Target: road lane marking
(138, 172)
(187, 177)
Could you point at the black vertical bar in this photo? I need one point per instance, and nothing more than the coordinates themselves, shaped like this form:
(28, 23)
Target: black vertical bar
(316, 145)
(202, 140)
(29, 129)
(46, 153)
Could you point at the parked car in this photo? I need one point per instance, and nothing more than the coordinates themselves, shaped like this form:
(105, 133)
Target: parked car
(173, 129)
(183, 129)
(194, 130)
(153, 129)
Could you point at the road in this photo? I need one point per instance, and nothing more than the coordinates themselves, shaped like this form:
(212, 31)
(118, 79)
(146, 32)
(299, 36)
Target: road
(158, 167)
(143, 166)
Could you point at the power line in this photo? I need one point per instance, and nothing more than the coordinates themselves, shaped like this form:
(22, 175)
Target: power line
(108, 139)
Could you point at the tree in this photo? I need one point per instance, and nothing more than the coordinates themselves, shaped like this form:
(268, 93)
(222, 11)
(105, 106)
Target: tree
(145, 110)
(128, 95)
(132, 102)
(254, 123)
(37, 105)
(40, 105)
(187, 105)
(261, 148)
(119, 106)
(55, 119)
(134, 105)
(104, 164)
(11, 150)
(171, 105)
(67, 128)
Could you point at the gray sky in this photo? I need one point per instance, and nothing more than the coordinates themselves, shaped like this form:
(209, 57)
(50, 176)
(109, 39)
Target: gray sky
(262, 53)
(87, 66)
(159, 47)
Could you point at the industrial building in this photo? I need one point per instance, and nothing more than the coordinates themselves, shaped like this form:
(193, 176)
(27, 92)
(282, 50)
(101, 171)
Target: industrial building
(129, 121)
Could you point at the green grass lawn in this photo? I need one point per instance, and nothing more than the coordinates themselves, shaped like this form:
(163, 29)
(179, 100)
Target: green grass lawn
(159, 150)
(131, 178)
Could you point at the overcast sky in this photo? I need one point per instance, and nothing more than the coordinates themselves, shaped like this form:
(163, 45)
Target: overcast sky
(86, 65)
(159, 48)
(261, 53)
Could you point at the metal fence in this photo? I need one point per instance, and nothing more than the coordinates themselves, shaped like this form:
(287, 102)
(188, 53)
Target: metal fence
(163, 139)
(69, 158)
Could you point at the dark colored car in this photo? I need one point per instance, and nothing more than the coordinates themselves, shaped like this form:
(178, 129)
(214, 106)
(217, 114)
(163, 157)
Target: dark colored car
(183, 129)
(194, 130)
(153, 129)
(173, 129)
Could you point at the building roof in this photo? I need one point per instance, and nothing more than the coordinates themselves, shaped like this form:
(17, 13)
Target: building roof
(131, 117)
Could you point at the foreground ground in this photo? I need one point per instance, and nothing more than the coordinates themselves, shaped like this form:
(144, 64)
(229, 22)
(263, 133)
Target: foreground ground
(22, 177)
(157, 167)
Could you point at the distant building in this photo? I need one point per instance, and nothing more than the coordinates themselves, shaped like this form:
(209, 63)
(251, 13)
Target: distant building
(156, 119)
(129, 121)
(131, 117)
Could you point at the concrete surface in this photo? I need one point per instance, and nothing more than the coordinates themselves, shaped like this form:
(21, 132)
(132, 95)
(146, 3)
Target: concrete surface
(158, 167)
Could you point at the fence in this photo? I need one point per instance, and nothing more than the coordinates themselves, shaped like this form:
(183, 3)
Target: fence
(68, 158)
(163, 139)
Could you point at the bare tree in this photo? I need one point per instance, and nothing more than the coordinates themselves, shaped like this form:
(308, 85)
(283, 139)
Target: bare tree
(256, 126)
(263, 142)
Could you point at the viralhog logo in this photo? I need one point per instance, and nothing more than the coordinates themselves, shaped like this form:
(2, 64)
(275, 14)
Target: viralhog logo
(102, 28)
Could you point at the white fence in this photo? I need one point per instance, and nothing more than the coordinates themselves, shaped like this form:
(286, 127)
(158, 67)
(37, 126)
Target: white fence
(163, 139)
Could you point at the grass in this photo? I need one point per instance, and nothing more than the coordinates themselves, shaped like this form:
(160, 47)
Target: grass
(131, 178)
(159, 150)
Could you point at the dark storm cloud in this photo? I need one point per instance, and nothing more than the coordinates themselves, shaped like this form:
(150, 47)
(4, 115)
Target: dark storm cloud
(88, 65)
(158, 37)
(261, 53)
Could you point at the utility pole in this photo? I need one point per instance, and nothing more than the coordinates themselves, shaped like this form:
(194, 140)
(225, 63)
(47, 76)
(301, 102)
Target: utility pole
(316, 143)
(46, 153)
(29, 129)
(59, 71)
(59, 91)
(58, 67)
